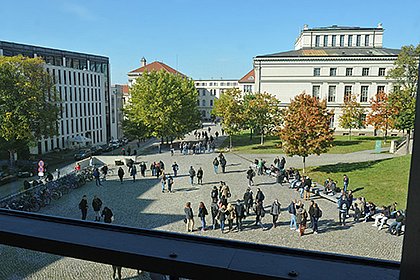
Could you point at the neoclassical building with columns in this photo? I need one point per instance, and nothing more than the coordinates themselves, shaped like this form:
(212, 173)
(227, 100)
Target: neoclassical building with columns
(329, 63)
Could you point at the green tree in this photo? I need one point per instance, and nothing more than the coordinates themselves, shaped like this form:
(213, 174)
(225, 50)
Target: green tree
(305, 128)
(162, 105)
(402, 98)
(28, 102)
(351, 115)
(262, 111)
(229, 107)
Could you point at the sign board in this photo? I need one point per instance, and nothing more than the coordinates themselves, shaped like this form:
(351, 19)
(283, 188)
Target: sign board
(378, 146)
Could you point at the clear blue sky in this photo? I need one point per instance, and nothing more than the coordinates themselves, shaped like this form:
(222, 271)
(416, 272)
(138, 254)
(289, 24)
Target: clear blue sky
(208, 39)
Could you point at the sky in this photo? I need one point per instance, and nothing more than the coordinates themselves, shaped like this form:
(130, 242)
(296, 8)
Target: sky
(202, 39)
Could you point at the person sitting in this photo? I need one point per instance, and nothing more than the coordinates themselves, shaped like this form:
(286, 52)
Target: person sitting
(382, 217)
(395, 227)
(370, 210)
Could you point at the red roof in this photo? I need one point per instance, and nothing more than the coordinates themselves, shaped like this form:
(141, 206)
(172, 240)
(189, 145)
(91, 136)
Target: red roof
(125, 88)
(156, 66)
(248, 78)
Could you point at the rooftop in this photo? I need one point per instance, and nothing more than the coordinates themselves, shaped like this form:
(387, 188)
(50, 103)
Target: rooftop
(335, 52)
(156, 66)
(248, 78)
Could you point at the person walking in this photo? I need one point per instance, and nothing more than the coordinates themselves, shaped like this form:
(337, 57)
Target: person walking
(231, 215)
(96, 175)
(104, 170)
(259, 197)
(116, 271)
(292, 211)
(163, 182)
(260, 213)
(248, 200)
(143, 168)
(214, 212)
(108, 215)
(240, 214)
(192, 175)
(223, 163)
(170, 183)
(175, 169)
(200, 176)
(216, 165)
(121, 174)
(301, 218)
(275, 212)
(214, 195)
(133, 172)
(221, 215)
(345, 182)
(83, 206)
(189, 216)
(202, 213)
(250, 174)
(97, 205)
(314, 213)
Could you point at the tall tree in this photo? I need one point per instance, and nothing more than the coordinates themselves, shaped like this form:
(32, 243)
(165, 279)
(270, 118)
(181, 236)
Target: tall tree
(351, 115)
(263, 112)
(380, 113)
(163, 105)
(230, 108)
(404, 76)
(28, 102)
(305, 128)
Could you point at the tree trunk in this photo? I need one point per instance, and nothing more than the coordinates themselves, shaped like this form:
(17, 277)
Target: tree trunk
(350, 133)
(304, 165)
(161, 140)
(407, 149)
(250, 136)
(262, 137)
(230, 141)
(11, 158)
(386, 132)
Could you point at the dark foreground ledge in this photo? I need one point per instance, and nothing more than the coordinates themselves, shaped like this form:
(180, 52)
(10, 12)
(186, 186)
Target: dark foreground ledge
(179, 254)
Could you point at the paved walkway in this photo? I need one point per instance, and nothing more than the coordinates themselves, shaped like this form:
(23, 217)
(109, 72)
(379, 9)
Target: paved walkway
(142, 204)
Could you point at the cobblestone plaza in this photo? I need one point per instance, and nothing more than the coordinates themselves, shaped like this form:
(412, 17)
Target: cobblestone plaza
(142, 204)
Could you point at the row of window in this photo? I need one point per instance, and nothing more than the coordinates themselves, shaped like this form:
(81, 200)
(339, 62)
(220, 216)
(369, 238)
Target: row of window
(85, 124)
(204, 103)
(222, 84)
(79, 79)
(202, 91)
(96, 137)
(92, 109)
(349, 72)
(331, 40)
(88, 95)
(348, 91)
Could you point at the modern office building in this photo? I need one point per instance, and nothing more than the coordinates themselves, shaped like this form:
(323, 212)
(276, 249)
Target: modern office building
(208, 91)
(119, 95)
(83, 85)
(329, 63)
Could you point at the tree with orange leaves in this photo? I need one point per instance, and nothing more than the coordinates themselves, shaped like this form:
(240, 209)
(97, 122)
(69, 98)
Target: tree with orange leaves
(380, 113)
(306, 128)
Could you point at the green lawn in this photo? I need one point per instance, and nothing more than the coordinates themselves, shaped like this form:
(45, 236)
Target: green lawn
(382, 182)
(341, 145)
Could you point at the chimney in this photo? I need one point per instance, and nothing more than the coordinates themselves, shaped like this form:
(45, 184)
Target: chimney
(379, 25)
(305, 27)
(143, 62)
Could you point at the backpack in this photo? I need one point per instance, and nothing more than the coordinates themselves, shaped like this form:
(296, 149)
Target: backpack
(319, 213)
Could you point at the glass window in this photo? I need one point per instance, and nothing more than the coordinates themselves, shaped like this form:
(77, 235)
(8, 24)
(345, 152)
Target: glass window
(316, 91)
(347, 93)
(317, 39)
(333, 71)
(203, 102)
(59, 76)
(380, 89)
(358, 39)
(211, 102)
(365, 72)
(331, 93)
(333, 40)
(366, 40)
(204, 92)
(350, 40)
(332, 121)
(325, 40)
(349, 71)
(364, 94)
(317, 71)
(341, 40)
(381, 72)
